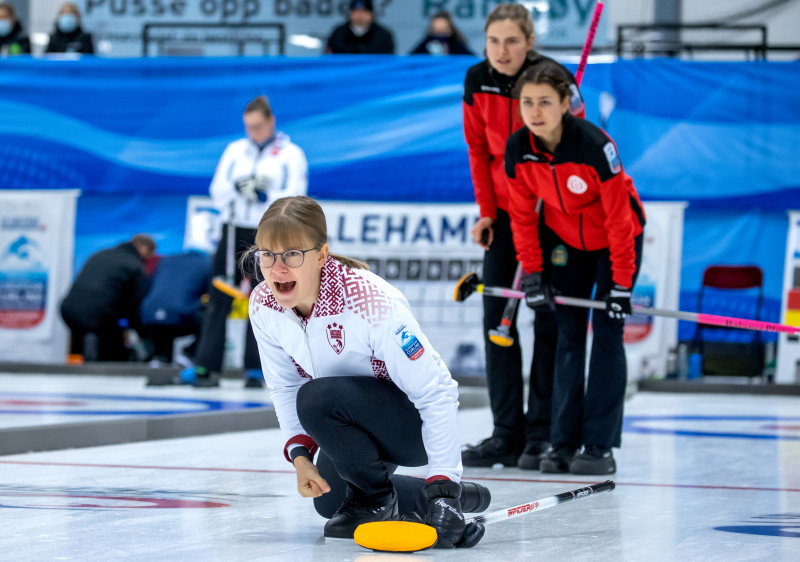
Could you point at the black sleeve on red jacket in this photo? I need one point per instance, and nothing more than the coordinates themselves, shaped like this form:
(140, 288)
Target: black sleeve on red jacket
(472, 82)
(522, 198)
(601, 152)
(512, 155)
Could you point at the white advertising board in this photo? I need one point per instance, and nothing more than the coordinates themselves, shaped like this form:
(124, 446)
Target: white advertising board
(788, 358)
(424, 249)
(37, 240)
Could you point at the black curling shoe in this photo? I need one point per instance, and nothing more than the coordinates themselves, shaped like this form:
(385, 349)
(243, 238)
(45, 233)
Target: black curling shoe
(532, 456)
(556, 460)
(355, 511)
(593, 460)
(489, 452)
(475, 497)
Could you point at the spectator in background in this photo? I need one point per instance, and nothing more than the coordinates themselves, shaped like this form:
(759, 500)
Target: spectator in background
(361, 34)
(252, 173)
(173, 306)
(12, 40)
(442, 38)
(105, 299)
(68, 36)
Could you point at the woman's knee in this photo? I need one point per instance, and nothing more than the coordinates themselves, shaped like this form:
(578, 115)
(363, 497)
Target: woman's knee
(313, 396)
(326, 505)
(572, 325)
(606, 328)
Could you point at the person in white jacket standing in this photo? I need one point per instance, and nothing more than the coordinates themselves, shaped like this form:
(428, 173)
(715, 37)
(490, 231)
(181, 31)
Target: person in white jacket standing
(252, 173)
(355, 381)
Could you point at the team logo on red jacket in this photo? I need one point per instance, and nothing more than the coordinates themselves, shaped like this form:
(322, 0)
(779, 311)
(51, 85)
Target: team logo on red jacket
(336, 337)
(576, 185)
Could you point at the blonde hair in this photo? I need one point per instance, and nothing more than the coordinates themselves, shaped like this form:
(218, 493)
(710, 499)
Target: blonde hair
(72, 8)
(515, 12)
(291, 222)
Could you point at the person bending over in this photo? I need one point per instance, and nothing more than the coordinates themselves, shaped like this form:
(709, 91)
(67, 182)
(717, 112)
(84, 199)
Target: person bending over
(594, 220)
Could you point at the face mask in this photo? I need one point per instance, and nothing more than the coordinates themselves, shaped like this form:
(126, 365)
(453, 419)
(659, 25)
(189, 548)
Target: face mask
(67, 23)
(358, 30)
(436, 48)
(5, 27)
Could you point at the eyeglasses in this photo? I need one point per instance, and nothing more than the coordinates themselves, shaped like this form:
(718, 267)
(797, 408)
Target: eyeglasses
(292, 258)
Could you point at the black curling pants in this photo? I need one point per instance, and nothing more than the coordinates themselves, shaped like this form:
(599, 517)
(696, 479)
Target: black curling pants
(590, 416)
(365, 428)
(211, 344)
(504, 364)
(95, 339)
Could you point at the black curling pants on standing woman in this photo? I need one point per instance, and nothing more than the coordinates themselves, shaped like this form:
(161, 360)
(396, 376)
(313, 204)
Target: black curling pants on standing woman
(211, 344)
(592, 416)
(504, 364)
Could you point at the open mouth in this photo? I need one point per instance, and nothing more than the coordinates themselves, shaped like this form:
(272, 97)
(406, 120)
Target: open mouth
(285, 287)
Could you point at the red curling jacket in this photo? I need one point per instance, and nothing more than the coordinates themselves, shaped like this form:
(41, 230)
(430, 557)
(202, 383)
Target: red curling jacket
(589, 200)
(490, 116)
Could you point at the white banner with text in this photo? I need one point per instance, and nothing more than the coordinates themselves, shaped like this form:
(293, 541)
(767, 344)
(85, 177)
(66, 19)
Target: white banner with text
(37, 237)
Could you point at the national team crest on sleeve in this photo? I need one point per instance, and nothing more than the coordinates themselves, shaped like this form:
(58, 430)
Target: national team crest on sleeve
(408, 342)
(613, 158)
(336, 337)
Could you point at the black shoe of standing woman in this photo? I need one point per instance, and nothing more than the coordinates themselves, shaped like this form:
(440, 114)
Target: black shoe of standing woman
(533, 454)
(489, 452)
(556, 460)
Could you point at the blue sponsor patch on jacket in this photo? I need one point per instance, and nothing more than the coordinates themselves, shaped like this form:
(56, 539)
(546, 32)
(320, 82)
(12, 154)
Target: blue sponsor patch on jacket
(408, 342)
(613, 158)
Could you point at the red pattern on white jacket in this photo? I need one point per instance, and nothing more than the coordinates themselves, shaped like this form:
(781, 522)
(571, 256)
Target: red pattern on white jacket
(375, 319)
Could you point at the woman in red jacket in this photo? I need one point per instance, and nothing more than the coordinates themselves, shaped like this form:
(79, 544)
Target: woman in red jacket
(490, 116)
(593, 224)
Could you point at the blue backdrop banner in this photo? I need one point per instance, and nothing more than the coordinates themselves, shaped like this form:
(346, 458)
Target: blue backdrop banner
(138, 136)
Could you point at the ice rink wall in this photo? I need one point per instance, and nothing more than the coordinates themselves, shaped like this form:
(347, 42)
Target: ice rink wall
(138, 136)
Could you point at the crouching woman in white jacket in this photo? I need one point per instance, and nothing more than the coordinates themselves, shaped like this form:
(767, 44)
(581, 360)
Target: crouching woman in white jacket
(356, 382)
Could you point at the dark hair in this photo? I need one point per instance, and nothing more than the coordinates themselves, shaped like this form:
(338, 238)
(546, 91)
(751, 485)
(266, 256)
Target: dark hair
(361, 5)
(261, 103)
(291, 222)
(545, 72)
(515, 12)
(445, 15)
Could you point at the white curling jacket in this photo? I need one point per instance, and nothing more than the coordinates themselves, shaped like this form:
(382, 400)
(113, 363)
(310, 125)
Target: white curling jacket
(360, 326)
(281, 164)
